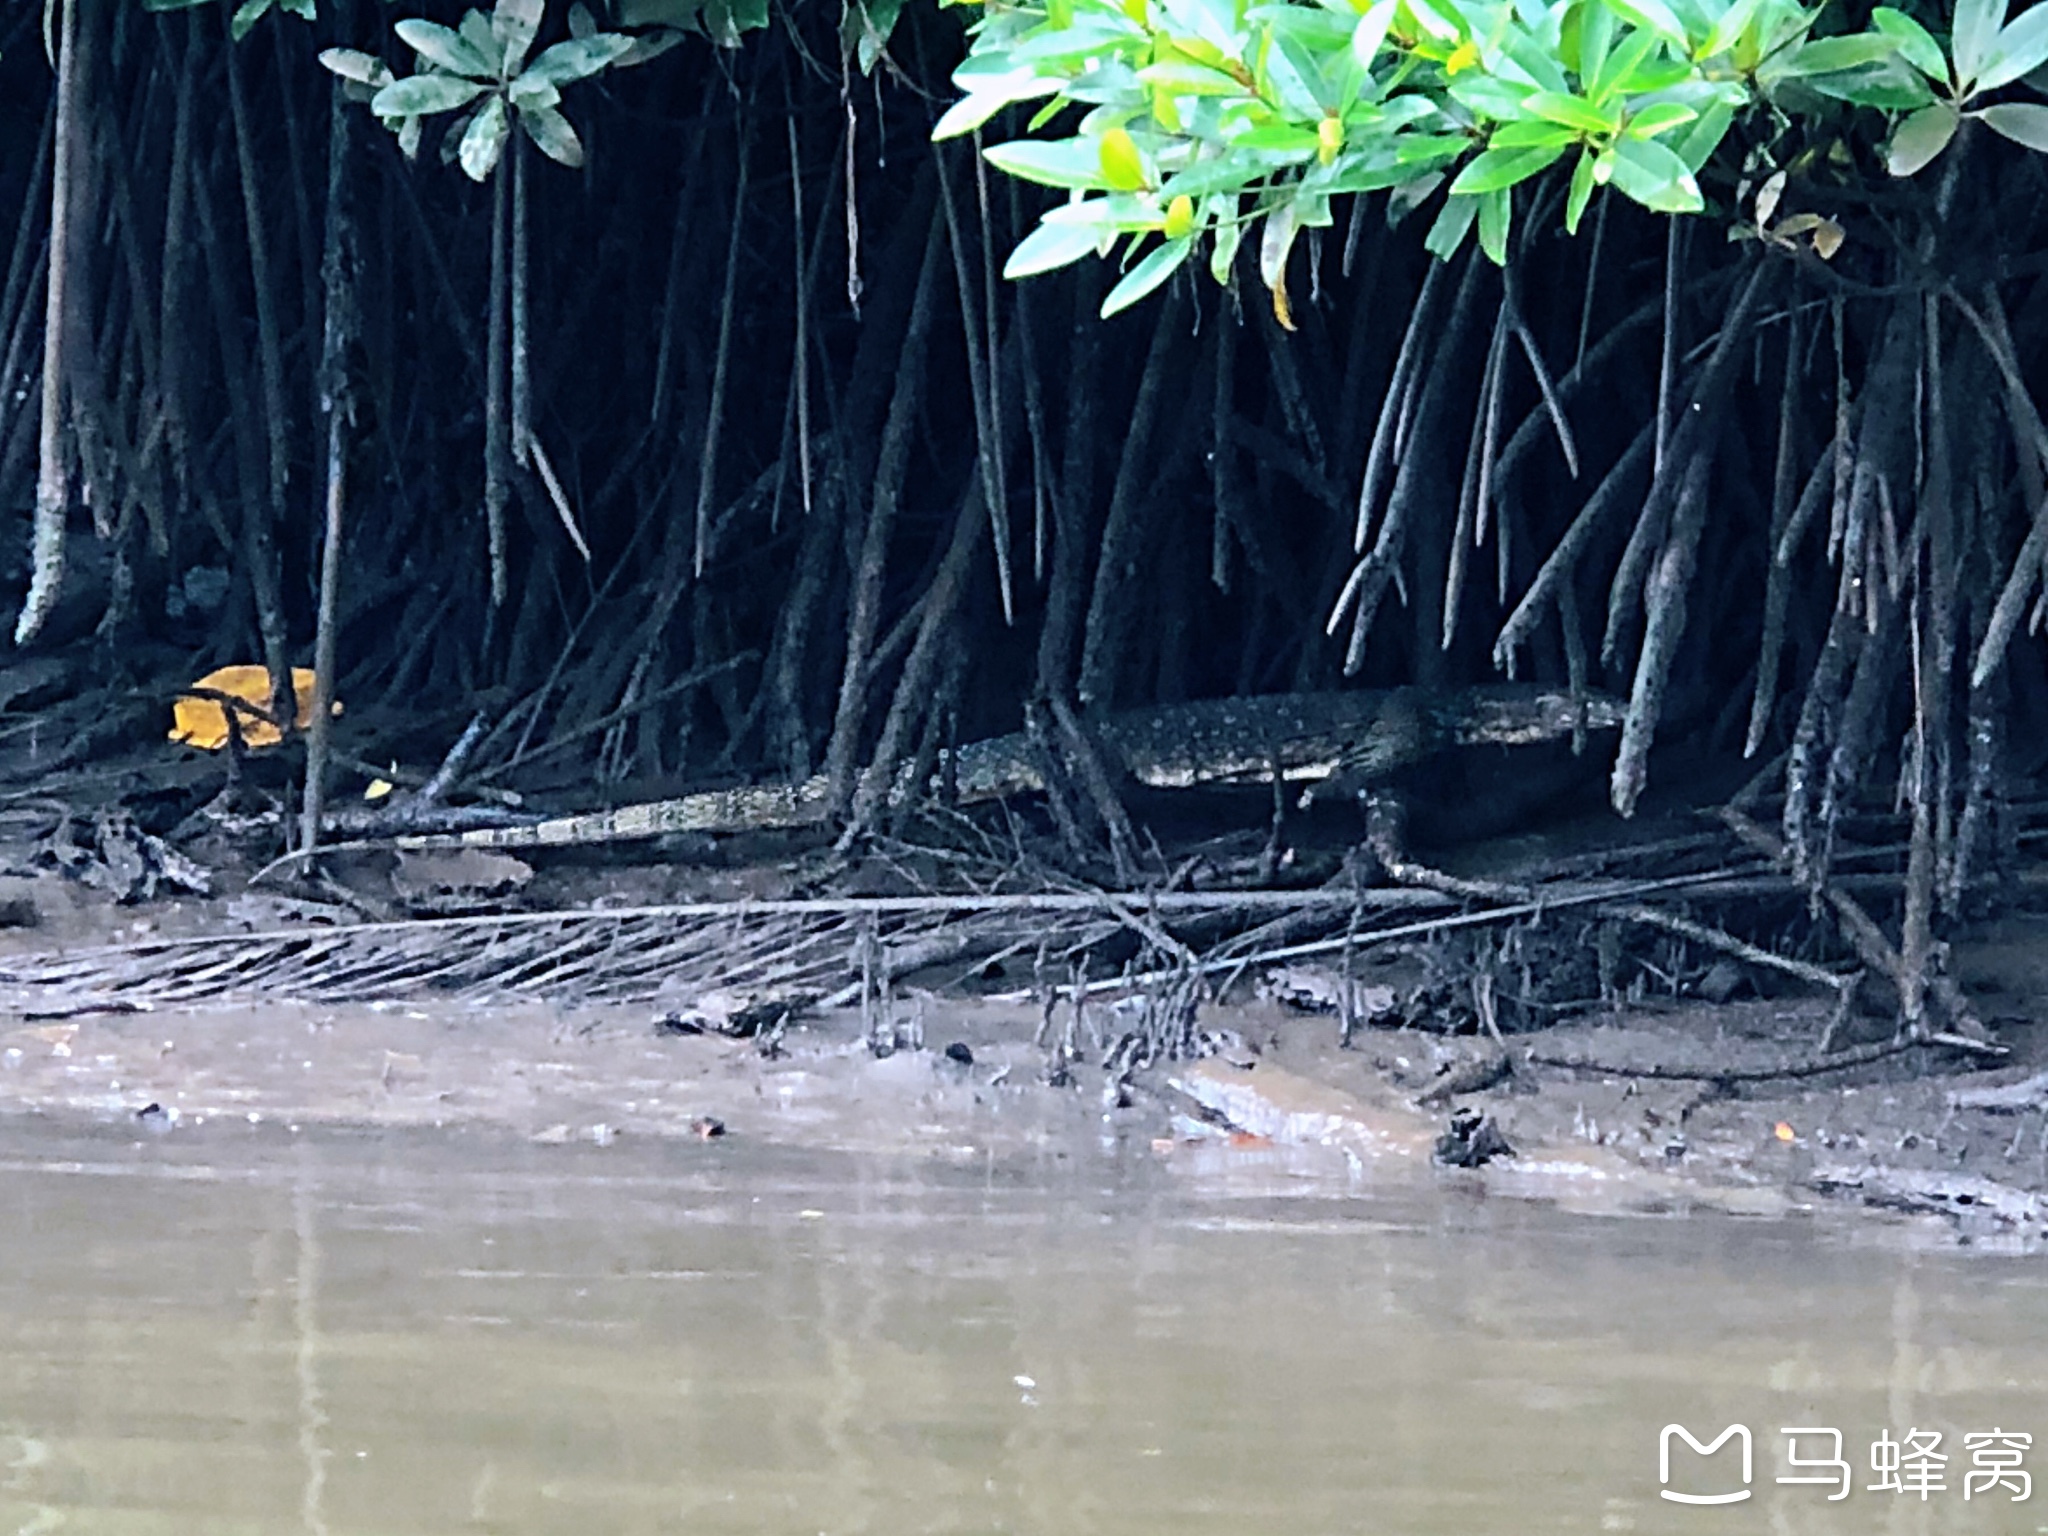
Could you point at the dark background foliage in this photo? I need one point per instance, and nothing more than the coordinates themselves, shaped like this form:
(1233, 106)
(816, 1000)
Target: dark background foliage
(762, 240)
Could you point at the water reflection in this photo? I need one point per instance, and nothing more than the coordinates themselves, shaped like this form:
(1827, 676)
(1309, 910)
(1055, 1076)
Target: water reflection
(439, 1334)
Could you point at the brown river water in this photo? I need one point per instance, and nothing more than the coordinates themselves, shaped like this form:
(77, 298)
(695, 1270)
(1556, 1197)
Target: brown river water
(247, 1330)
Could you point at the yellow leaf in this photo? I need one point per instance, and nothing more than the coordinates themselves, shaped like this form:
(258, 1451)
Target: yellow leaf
(377, 789)
(1180, 217)
(1329, 138)
(1282, 311)
(1464, 56)
(1122, 166)
(202, 722)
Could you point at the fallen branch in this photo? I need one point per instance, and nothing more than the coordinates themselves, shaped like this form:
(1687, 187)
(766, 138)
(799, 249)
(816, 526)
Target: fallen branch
(1811, 1066)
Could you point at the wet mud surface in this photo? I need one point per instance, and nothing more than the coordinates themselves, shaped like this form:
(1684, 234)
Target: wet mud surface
(1933, 1143)
(1943, 1154)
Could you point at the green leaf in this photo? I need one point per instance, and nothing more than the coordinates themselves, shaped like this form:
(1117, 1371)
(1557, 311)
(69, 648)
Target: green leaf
(451, 138)
(1407, 110)
(1495, 170)
(354, 64)
(1973, 35)
(2024, 122)
(1290, 70)
(1232, 171)
(1070, 163)
(1486, 96)
(1160, 263)
(1659, 117)
(247, 14)
(1595, 28)
(1049, 247)
(1916, 45)
(1229, 235)
(1123, 167)
(1831, 55)
(421, 95)
(1656, 75)
(1654, 15)
(1977, 24)
(1185, 78)
(513, 24)
(1648, 173)
(1438, 19)
(2021, 48)
(484, 141)
(648, 45)
(1120, 212)
(445, 49)
(864, 30)
(577, 59)
(1581, 193)
(1920, 138)
(303, 9)
(1281, 140)
(1529, 134)
(1536, 60)
(527, 94)
(1371, 32)
(1430, 149)
(1084, 38)
(726, 21)
(1452, 222)
(1699, 142)
(1620, 64)
(475, 28)
(1362, 175)
(1892, 86)
(1496, 211)
(1214, 23)
(977, 107)
(551, 135)
(1570, 111)
(1728, 27)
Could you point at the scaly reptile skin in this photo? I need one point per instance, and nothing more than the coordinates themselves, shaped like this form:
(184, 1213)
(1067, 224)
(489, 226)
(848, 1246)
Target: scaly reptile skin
(1307, 736)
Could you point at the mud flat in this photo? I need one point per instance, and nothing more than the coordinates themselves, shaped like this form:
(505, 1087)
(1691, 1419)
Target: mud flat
(1948, 1157)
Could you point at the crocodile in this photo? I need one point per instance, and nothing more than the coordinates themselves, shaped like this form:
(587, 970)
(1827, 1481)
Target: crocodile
(1364, 734)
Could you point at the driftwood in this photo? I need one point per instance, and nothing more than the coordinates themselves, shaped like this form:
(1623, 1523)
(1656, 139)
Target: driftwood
(2004, 1098)
(1808, 1066)
(1927, 1192)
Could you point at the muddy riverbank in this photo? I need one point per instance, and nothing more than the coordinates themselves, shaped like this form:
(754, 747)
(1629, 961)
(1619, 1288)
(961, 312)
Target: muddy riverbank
(1923, 1142)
